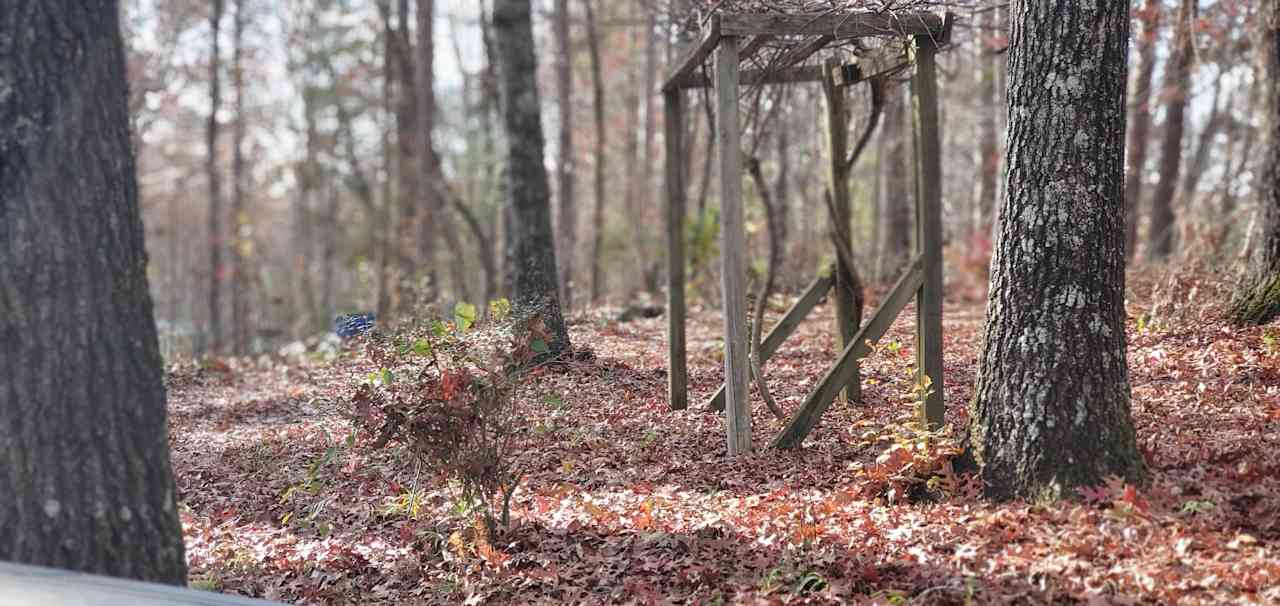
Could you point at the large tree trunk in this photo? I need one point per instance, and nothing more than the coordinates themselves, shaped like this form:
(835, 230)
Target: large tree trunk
(528, 196)
(85, 473)
(597, 94)
(1051, 410)
(409, 186)
(239, 219)
(1258, 299)
(1140, 123)
(1178, 90)
(568, 216)
(215, 182)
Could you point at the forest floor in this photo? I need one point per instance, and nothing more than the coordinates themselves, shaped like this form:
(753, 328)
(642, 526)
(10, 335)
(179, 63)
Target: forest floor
(625, 501)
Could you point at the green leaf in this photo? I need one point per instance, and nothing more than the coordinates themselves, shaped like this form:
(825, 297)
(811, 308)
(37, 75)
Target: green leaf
(554, 400)
(438, 328)
(499, 308)
(464, 314)
(539, 346)
(387, 376)
(422, 347)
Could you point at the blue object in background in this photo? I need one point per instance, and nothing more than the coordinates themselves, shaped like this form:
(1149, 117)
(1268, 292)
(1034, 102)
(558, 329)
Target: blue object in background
(353, 325)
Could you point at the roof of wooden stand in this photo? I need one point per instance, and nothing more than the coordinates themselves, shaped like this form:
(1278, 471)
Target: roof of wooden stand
(815, 31)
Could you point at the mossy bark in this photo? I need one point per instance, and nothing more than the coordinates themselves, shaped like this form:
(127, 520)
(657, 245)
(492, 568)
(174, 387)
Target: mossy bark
(1051, 410)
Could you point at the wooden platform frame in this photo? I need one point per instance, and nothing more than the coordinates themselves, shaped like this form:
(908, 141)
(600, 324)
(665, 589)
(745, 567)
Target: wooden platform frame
(730, 39)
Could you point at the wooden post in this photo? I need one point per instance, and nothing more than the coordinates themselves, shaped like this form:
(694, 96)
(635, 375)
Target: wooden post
(928, 169)
(838, 184)
(733, 264)
(677, 372)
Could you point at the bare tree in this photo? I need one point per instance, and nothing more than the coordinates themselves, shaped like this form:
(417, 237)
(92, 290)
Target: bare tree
(567, 225)
(1178, 89)
(215, 180)
(597, 96)
(532, 248)
(1140, 123)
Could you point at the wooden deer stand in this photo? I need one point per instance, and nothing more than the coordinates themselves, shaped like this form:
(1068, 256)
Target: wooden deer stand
(735, 38)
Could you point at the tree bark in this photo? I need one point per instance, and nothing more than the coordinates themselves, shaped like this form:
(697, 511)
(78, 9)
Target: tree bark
(1051, 410)
(1140, 123)
(215, 181)
(1258, 299)
(597, 95)
(85, 474)
(1177, 89)
(528, 196)
(567, 225)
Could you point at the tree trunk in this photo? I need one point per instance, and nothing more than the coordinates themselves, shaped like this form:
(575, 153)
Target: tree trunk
(1258, 299)
(1051, 410)
(988, 133)
(1200, 155)
(528, 196)
(1177, 89)
(409, 188)
(1140, 123)
(85, 474)
(239, 219)
(597, 94)
(897, 186)
(567, 225)
(215, 183)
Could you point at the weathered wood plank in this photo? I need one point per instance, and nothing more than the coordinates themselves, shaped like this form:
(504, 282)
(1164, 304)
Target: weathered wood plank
(838, 24)
(22, 584)
(803, 421)
(677, 371)
(694, 56)
(924, 90)
(787, 325)
(733, 249)
(755, 77)
(846, 321)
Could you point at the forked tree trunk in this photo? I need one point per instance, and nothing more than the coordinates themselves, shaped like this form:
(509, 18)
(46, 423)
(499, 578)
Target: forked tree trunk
(528, 197)
(1178, 89)
(1051, 410)
(85, 473)
(1258, 300)
(1140, 123)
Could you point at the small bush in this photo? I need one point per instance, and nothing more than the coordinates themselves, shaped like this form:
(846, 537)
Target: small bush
(447, 392)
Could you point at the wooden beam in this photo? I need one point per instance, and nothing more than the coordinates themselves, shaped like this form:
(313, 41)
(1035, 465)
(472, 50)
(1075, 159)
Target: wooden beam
(927, 127)
(752, 47)
(787, 325)
(804, 420)
(756, 77)
(733, 249)
(846, 322)
(677, 361)
(854, 24)
(694, 56)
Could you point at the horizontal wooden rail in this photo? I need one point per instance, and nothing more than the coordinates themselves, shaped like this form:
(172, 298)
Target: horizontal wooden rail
(695, 56)
(856, 24)
(754, 77)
